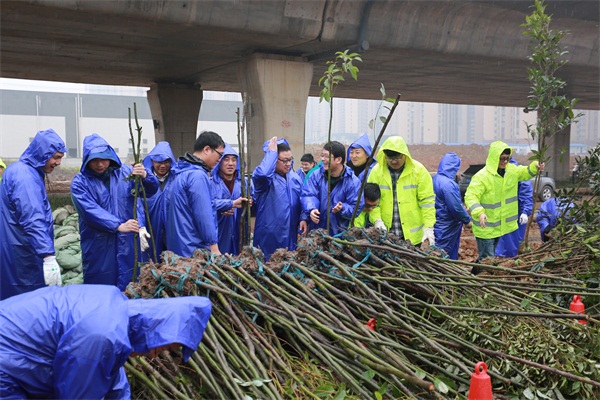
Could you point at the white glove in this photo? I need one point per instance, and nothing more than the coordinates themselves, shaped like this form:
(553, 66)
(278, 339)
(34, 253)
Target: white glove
(52, 272)
(523, 219)
(144, 236)
(428, 235)
(380, 225)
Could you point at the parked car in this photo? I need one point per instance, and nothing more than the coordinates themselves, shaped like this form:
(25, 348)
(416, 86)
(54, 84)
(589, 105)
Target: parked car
(545, 191)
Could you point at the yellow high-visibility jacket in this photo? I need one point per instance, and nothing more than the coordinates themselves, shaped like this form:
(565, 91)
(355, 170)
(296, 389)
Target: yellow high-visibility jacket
(414, 192)
(496, 196)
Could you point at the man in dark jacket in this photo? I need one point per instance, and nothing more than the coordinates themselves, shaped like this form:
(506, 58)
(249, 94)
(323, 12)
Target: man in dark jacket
(102, 195)
(72, 342)
(191, 212)
(27, 260)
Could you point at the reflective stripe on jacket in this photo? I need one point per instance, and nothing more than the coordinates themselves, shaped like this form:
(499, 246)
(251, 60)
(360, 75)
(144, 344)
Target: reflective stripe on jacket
(508, 245)
(416, 200)
(496, 196)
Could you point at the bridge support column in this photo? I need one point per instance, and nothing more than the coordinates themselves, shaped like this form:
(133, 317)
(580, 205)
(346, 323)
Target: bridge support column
(276, 91)
(559, 166)
(175, 108)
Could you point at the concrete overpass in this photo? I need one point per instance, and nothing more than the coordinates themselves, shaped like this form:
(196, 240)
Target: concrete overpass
(274, 51)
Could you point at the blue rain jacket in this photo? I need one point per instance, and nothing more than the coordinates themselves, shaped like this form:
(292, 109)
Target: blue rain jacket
(450, 215)
(26, 224)
(228, 226)
(508, 244)
(363, 143)
(549, 212)
(103, 203)
(301, 174)
(278, 208)
(157, 203)
(191, 214)
(314, 195)
(72, 342)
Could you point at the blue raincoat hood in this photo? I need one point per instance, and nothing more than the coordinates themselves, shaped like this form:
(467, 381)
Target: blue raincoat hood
(93, 145)
(279, 141)
(362, 142)
(227, 151)
(449, 165)
(159, 322)
(161, 152)
(72, 342)
(43, 146)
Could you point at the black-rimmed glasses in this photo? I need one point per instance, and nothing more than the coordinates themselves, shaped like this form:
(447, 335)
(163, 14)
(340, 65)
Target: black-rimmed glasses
(288, 161)
(218, 152)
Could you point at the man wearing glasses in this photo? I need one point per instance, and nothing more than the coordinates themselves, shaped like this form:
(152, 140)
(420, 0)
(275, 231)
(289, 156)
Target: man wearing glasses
(191, 215)
(407, 205)
(277, 190)
(492, 198)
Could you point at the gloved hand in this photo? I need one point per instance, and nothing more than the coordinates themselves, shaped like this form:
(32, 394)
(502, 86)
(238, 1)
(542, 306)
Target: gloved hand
(144, 236)
(52, 272)
(380, 225)
(428, 235)
(523, 219)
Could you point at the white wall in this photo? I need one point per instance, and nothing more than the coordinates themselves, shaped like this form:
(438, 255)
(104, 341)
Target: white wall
(18, 130)
(116, 132)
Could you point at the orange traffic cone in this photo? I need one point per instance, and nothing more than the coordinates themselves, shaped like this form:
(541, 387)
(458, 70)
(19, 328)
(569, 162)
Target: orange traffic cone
(371, 324)
(481, 384)
(578, 307)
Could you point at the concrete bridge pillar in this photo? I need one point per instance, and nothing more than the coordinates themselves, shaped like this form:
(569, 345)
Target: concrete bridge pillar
(276, 90)
(559, 166)
(175, 108)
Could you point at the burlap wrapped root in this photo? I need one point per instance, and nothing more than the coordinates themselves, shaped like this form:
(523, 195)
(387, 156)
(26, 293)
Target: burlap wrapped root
(67, 244)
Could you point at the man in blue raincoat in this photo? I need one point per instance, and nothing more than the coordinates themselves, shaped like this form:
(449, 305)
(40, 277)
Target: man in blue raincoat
(358, 153)
(229, 200)
(450, 215)
(508, 244)
(191, 214)
(101, 193)
(277, 190)
(549, 213)
(27, 260)
(307, 163)
(72, 342)
(159, 161)
(344, 191)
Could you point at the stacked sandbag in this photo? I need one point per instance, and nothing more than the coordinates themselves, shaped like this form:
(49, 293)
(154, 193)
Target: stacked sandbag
(67, 244)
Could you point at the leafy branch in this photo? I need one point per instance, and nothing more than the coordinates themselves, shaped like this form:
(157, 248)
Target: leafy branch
(342, 64)
(554, 109)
